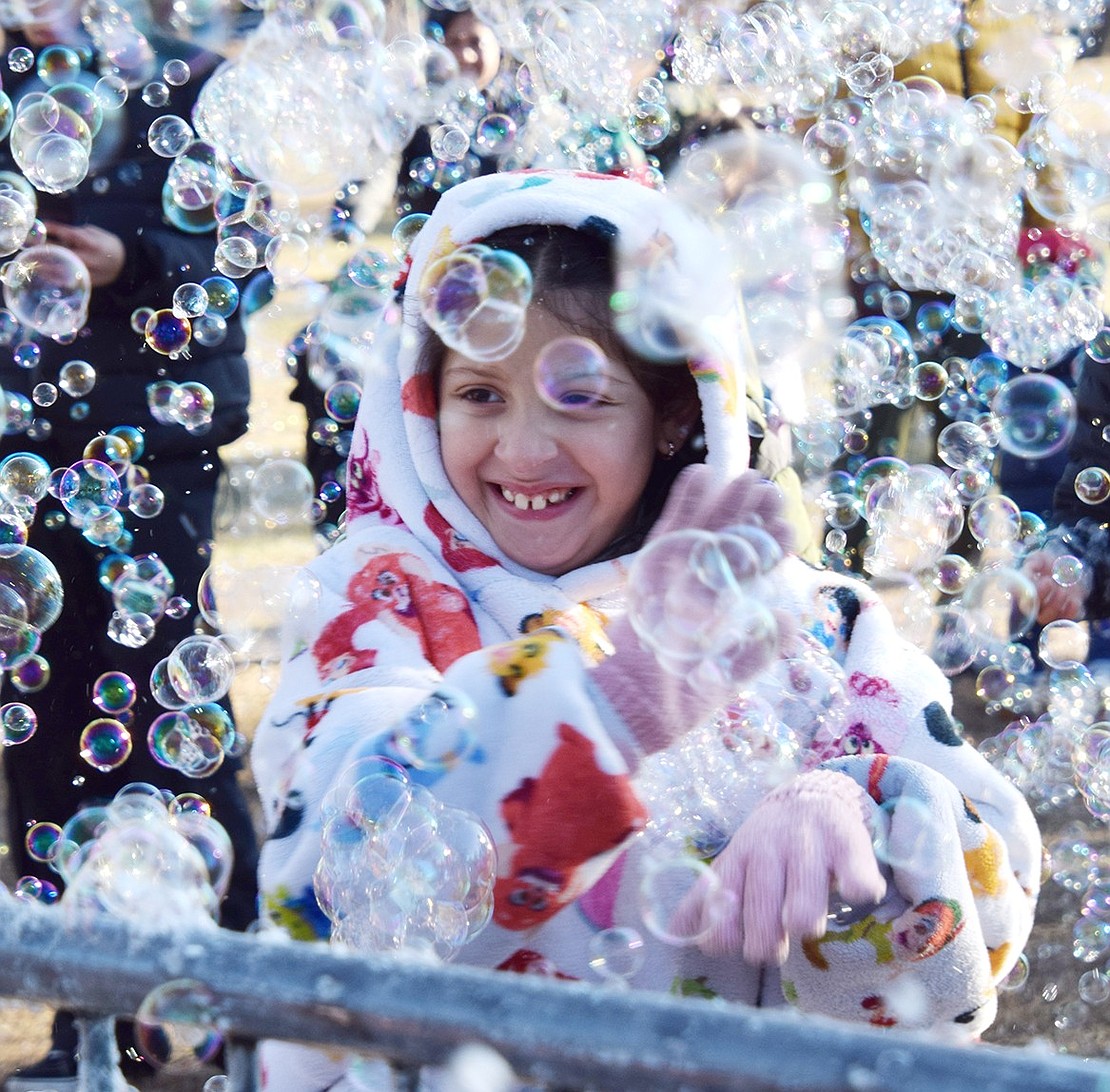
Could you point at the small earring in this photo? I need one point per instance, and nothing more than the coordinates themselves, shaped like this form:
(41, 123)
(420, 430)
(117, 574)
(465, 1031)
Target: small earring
(671, 449)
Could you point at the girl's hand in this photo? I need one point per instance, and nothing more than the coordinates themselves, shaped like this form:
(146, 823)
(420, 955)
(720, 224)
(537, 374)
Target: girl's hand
(805, 839)
(101, 251)
(1055, 600)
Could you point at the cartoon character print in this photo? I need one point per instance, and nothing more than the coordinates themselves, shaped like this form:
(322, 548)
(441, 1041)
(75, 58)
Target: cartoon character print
(460, 556)
(837, 609)
(916, 934)
(418, 395)
(395, 590)
(515, 661)
(569, 814)
(529, 961)
(582, 622)
(363, 495)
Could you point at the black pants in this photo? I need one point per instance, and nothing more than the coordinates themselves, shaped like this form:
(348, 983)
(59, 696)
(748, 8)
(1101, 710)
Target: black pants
(47, 780)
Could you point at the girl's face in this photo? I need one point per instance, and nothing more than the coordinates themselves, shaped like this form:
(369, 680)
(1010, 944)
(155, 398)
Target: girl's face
(553, 487)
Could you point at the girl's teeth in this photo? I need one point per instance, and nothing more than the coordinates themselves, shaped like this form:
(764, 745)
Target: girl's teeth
(537, 503)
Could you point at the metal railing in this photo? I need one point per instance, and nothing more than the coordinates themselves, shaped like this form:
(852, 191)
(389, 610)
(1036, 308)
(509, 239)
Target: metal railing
(564, 1035)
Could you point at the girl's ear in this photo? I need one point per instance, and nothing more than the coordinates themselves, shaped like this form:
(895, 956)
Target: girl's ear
(674, 431)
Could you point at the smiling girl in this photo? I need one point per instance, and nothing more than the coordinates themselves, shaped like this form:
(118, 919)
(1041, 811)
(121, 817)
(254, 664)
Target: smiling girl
(493, 517)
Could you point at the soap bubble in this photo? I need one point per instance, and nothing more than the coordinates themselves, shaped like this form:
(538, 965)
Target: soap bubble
(994, 521)
(77, 378)
(437, 734)
(18, 722)
(475, 300)
(48, 289)
(41, 840)
(179, 742)
(201, 668)
(341, 401)
(572, 374)
(1063, 643)
(1092, 485)
(105, 744)
(50, 142)
(167, 332)
(664, 887)
(89, 490)
(494, 134)
(30, 675)
(616, 954)
(1067, 570)
(177, 1022)
(1002, 602)
(113, 692)
(693, 598)
(190, 300)
(146, 501)
(1037, 414)
(281, 490)
(222, 294)
(24, 478)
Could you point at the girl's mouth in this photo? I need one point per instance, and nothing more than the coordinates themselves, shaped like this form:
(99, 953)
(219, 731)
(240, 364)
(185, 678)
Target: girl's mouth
(536, 502)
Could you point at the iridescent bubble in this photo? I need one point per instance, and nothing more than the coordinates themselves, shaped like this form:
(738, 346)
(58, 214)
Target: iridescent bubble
(1067, 570)
(1002, 602)
(105, 744)
(89, 490)
(994, 521)
(438, 734)
(113, 692)
(32, 889)
(20, 59)
(341, 401)
(282, 490)
(58, 64)
(954, 643)
(176, 72)
(31, 674)
(475, 299)
(405, 231)
(178, 1020)
(929, 381)
(168, 136)
(236, 256)
(44, 394)
(964, 445)
(449, 143)
(167, 332)
(572, 374)
(113, 451)
(667, 884)
(50, 142)
(223, 296)
(201, 668)
(1092, 485)
(18, 722)
(1090, 939)
(1017, 977)
(77, 378)
(24, 478)
(1037, 413)
(156, 94)
(1094, 987)
(176, 741)
(1098, 348)
(994, 683)
(146, 501)
(830, 145)
(190, 300)
(48, 289)
(1063, 643)
(616, 954)
(953, 573)
(494, 134)
(649, 124)
(41, 840)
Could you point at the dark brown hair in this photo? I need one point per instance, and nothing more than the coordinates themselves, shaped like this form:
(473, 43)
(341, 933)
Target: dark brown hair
(573, 277)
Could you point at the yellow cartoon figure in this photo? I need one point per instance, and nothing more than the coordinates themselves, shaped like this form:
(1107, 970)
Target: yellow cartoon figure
(515, 661)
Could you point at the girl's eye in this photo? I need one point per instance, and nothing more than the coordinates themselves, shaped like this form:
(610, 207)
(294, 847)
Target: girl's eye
(481, 396)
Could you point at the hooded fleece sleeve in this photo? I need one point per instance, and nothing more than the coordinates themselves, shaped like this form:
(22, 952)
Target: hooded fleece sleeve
(957, 842)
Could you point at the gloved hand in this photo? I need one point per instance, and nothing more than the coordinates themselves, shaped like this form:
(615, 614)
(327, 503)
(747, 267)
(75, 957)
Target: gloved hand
(659, 705)
(805, 839)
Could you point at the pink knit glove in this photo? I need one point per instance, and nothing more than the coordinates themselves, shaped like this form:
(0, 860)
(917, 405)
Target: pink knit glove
(663, 687)
(805, 839)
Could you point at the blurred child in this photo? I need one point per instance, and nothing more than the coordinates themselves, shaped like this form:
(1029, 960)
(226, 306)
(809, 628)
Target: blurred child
(491, 528)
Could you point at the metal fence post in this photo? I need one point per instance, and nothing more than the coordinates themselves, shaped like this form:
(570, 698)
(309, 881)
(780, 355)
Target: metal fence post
(98, 1056)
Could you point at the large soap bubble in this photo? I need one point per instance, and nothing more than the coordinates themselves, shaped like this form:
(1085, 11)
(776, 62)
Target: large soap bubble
(47, 288)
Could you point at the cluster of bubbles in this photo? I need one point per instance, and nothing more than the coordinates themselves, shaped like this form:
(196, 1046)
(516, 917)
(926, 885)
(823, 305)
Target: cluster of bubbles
(475, 299)
(399, 870)
(151, 859)
(700, 601)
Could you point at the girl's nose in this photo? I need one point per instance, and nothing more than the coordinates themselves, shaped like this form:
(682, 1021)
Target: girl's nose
(526, 441)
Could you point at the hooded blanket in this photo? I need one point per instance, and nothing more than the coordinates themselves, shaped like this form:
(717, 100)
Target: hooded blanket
(417, 600)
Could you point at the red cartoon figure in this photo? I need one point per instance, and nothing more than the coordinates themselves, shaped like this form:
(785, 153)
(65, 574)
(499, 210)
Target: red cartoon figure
(457, 551)
(363, 494)
(394, 589)
(569, 814)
